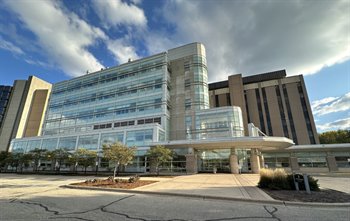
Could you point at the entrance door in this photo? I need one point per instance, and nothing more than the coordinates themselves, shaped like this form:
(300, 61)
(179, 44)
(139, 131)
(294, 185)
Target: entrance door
(244, 160)
(213, 160)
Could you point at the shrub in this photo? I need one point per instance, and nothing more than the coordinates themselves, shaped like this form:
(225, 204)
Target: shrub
(266, 176)
(313, 183)
(134, 179)
(274, 179)
(278, 179)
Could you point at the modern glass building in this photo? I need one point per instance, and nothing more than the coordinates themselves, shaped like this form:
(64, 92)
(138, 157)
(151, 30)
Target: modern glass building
(159, 100)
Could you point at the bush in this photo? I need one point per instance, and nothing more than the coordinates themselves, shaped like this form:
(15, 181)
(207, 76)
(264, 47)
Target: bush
(274, 179)
(134, 179)
(278, 179)
(313, 183)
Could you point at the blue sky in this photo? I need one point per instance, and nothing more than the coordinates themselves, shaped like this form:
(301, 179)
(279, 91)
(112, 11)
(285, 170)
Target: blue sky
(58, 40)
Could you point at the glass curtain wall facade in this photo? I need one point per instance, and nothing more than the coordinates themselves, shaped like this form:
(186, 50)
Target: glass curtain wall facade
(127, 103)
(159, 98)
(5, 92)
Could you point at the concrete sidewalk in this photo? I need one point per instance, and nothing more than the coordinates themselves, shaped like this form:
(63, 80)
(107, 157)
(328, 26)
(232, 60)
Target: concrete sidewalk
(242, 186)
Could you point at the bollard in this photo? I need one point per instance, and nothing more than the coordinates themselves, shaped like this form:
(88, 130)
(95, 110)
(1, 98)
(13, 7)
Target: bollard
(296, 184)
(306, 182)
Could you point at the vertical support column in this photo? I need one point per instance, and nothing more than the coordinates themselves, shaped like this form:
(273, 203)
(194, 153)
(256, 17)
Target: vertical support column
(191, 162)
(294, 163)
(262, 161)
(254, 161)
(234, 162)
(331, 163)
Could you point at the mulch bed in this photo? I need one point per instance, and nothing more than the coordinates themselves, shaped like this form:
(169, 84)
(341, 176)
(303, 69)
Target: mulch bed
(111, 184)
(322, 196)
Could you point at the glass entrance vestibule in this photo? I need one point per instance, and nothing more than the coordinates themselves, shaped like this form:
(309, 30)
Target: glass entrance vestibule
(218, 160)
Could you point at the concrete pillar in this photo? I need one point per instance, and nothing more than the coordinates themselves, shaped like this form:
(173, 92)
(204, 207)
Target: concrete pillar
(294, 164)
(234, 162)
(262, 161)
(191, 163)
(254, 161)
(332, 164)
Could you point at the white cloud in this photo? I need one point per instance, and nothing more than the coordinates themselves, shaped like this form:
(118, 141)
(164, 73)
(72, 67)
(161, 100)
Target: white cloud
(121, 50)
(63, 35)
(331, 105)
(253, 37)
(116, 12)
(341, 124)
(8, 46)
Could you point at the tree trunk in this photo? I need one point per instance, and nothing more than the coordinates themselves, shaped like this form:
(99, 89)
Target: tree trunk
(115, 171)
(85, 170)
(157, 169)
(118, 168)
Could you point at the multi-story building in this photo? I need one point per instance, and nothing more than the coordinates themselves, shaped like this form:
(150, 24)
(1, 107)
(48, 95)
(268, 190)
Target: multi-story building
(5, 92)
(24, 114)
(162, 99)
(276, 104)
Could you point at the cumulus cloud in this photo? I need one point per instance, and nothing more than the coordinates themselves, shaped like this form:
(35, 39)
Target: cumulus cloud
(63, 35)
(331, 105)
(253, 37)
(121, 50)
(116, 12)
(6, 45)
(342, 124)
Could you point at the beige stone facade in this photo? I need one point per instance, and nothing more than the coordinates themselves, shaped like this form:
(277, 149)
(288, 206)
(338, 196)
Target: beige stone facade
(25, 112)
(277, 104)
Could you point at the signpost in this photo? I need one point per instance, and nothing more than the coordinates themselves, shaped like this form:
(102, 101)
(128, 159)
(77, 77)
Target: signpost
(300, 178)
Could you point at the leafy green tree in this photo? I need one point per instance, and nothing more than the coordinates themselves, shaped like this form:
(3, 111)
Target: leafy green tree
(119, 154)
(13, 160)
(73, 159)
(24, 160)
(37, 155)
(4, 155)
(159, 155)
(57, 157)
(20, 160)
(86, 158)
(331, 137)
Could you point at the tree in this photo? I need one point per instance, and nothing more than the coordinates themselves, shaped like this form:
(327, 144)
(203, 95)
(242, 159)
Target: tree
(86, 157)
(119, 154)
(13, 159)
(339, 136)
(159, 155)
(57, 157)
(23, 160)
(37, 155)
(4, 155)
(73, 159)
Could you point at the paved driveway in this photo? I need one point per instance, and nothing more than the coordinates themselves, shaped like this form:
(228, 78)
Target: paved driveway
(39, 198)
(336, 183)
(222, 185)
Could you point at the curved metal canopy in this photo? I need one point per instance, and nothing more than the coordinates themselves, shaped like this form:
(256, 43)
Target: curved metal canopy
(264, 143)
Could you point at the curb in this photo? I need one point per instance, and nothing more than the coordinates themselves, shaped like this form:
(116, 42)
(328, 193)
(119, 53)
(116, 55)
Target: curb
(206, 197)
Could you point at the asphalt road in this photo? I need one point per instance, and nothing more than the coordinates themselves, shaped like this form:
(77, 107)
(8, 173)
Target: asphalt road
(44, 200)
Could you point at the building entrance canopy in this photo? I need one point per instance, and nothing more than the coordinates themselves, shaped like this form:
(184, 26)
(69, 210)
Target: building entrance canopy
(263, 143)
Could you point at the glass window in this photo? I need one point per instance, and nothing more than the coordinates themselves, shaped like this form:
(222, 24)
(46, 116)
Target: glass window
(19, 146)
(109, 138)
(139, 138)
(67, 143)
(49, 144)
(312, 162)
(33, 144)
(89, 142)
